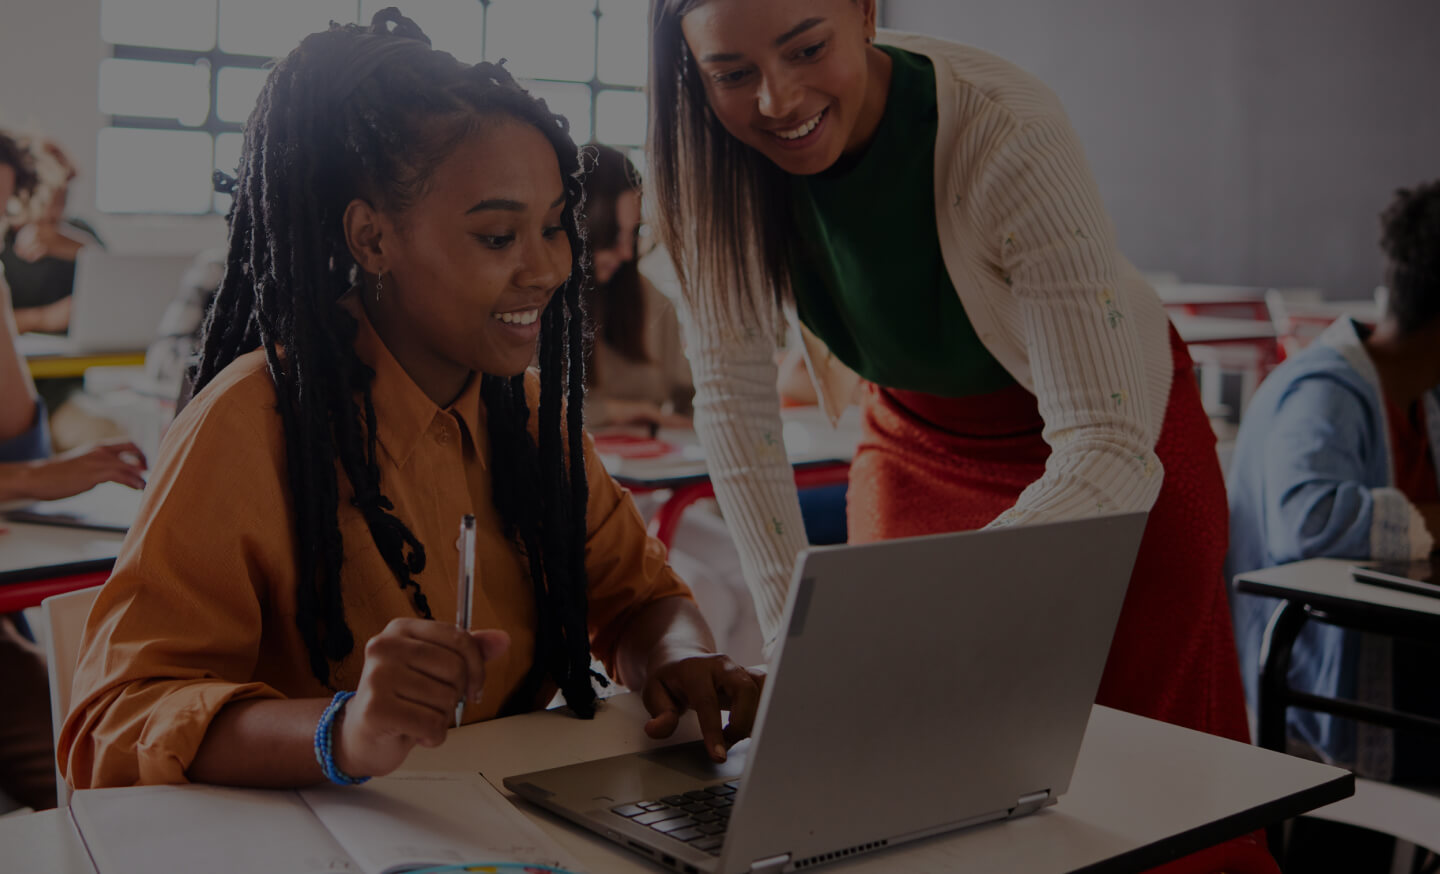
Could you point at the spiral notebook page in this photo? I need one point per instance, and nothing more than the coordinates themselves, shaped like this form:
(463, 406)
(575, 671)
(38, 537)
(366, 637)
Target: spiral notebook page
(420, 819)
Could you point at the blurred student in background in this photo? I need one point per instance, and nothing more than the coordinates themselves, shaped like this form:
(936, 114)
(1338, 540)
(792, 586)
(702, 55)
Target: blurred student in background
(1336, 458)
(39, 255)
(638, 373)
(27, 472)
(639, 379)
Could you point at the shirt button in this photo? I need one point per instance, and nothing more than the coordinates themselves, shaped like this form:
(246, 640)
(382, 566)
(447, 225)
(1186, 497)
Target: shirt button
(442, 436)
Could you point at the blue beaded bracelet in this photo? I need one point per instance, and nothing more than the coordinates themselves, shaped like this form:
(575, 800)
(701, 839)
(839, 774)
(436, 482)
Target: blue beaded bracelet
(324, 754)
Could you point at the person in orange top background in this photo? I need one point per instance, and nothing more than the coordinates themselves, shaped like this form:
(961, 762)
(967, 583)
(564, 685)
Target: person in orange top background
(404, 230)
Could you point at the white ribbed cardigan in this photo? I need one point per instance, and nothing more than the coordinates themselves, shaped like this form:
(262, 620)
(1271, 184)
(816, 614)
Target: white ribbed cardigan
(1031, 252)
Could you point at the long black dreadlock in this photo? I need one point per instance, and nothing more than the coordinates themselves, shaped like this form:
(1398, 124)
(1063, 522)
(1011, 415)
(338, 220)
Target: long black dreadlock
(369, 112)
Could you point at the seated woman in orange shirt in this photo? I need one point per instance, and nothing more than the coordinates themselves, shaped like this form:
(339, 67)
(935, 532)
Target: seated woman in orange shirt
(403, 232)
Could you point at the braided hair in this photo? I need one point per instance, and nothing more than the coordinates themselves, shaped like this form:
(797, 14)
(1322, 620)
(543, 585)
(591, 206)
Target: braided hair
(1410, 238)
(370, 112)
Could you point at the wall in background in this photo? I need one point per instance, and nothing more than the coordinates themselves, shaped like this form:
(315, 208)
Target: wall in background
(50, 52)
(1233, 141)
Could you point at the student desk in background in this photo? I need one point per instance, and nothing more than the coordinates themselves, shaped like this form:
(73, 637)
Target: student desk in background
(1195, 299)
(1324, 590)
(819, 454)
(74, 366)
(37, 561)
(1216, 343)
(1143, 793)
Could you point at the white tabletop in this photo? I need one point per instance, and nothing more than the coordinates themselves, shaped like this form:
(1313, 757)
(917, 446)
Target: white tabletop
(1198, 294)
(807, 435)
(42, 843)
(1215, 329)
(25, 546)
(1329, 580)
(1138, 783)
(1366, 312)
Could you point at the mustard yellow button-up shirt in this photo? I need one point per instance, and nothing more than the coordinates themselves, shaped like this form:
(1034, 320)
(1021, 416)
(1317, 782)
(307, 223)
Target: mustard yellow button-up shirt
(200, 609)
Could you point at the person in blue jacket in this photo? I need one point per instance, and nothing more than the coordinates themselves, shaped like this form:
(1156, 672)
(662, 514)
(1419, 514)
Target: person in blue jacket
(1336, 458)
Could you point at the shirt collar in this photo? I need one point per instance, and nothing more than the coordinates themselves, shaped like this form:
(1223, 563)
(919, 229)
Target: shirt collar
(1344, 336)
(403, 412)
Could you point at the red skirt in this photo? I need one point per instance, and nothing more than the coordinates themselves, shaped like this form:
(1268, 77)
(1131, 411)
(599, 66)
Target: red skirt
(928, 464)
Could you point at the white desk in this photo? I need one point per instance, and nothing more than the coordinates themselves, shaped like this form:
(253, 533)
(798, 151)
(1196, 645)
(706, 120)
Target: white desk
(1143, 792)
(806, 436)
(819, 453)
(1216, 329)
(28, 550)
(37, 561)
(1324, 588)
(42, 843)
(1218, 344)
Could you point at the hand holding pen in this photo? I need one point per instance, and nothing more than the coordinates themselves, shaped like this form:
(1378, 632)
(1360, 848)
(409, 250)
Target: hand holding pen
(418, 675)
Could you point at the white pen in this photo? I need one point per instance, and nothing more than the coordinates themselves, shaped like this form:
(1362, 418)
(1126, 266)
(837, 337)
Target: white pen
(465, 590)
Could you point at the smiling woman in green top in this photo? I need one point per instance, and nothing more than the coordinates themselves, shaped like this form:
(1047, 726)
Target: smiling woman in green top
(925, 212)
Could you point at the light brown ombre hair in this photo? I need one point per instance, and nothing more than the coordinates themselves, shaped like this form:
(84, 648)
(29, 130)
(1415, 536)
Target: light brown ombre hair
(723, 208)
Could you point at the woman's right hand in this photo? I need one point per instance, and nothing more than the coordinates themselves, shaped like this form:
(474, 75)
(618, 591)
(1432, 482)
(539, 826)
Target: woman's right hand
(82, 470)
(415, 672)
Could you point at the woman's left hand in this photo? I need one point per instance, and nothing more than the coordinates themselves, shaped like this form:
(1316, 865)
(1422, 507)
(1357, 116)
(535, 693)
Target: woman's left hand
(706, 683)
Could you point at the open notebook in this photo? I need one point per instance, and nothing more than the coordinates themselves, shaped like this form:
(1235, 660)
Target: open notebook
(404, 822)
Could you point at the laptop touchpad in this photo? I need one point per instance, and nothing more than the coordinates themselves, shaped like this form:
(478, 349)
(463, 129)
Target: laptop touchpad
(691, 760)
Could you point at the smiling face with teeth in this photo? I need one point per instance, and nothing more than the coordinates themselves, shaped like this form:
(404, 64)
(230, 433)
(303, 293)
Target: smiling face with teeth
(796, 80)
(471, 265)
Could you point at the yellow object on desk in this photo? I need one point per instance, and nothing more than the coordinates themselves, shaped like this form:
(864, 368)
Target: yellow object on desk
(67, 367)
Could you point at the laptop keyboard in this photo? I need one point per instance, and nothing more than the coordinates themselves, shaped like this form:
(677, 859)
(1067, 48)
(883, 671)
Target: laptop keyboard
(698, 818)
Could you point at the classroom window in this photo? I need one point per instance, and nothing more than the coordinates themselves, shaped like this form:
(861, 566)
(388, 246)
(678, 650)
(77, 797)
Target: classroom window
(182, 76)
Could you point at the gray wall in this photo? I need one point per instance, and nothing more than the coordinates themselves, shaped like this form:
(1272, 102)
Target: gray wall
(1242, 141)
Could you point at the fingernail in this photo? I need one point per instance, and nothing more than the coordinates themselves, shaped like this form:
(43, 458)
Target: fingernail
(720, 752)
(477, 696)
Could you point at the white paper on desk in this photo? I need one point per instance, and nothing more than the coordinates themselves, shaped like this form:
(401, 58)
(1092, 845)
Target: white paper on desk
(144, 829)
(107, 507)
(419, 819)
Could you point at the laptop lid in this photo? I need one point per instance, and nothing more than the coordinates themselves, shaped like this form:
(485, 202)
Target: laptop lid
(119, 299)
(929, 683)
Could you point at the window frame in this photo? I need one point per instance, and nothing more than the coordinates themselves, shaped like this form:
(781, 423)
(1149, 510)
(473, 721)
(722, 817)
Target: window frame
(218, 59)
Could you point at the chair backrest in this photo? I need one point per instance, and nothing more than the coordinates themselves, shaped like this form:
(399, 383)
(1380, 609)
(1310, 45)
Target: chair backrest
(64, 617)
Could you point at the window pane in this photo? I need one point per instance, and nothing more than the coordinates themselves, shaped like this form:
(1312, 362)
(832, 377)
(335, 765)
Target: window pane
(571, 101)
(227, 160)
(620, 118)
(624, 42)
(153, 171)
(543, 39)
(236, 90)
(454, 26)
(273, 27)
(171, 24)
(156, 90)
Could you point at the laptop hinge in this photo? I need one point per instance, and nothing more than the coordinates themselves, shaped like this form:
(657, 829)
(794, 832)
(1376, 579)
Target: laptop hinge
(1030, 803)
(774, 863)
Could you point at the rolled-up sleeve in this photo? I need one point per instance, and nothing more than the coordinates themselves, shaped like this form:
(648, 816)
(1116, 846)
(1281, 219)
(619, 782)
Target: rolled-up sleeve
(627, 568)
(175, 633)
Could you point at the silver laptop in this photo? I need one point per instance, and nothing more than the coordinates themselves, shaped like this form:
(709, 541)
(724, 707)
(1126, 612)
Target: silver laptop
(923, 685)
(118, 302)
